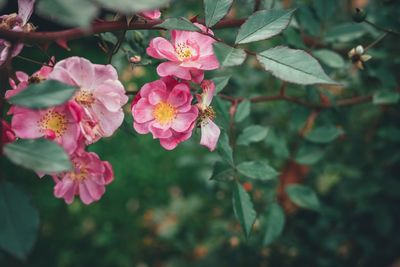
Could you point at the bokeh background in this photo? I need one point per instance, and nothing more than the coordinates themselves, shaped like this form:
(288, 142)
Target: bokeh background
(162, 210)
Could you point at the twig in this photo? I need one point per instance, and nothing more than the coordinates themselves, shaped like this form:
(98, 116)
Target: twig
(382, 29)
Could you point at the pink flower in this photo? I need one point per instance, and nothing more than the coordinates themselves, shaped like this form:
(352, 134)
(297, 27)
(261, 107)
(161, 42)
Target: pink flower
(60, 124)
(209, 130)
(189, 54)
(88, 179)
(7, 134)
(164, 109)
(15, 22)
(152, 14)
(101, 95)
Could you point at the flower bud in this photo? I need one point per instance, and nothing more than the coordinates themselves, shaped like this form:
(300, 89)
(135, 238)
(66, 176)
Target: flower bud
(135, 59)
(359, 15)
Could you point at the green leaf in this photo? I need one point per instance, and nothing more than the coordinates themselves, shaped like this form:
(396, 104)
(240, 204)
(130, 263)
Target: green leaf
(220, 83)
(330, 58)
(243, 208)
(309, 155)
(345, 32)
(224, 149)
(222, 172)
(2, 3)
(215, 10)
(386, 97)
(130, 7)
(67, 13)
(293, 65)
(45, 94)
(308, 21)
(243, 110)
(303, 196)
(229, 56)
(263, 24)
(275, 222)
(252, 134)
(324, 134)
(19, 221)
(325, 9)
(257, 170)
(221, 110)
(182, 24)
(39, 155)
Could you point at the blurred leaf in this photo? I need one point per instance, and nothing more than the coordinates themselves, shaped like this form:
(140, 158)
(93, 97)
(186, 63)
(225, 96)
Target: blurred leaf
(278, 144)
(330, 58)
(294, 38)
(220, 83)
(308, 154)
(243, 110)
(325, 9)
(275, 222)
(2, 3)
(324, 134)
(109, 37)
(215, 10)
(303, 196)
(263, 24)
(19, 221)
(293, 65)
(48, 93)
(308, 20)
(243, 208)
(224, 149)
(257, 170)
(229, 56)
(221, 110)
(345, 32)
(222, 172)
(182, 24)
(40, 155)
(386, 97)
(67, 13)
(251, 134)
(130, 7)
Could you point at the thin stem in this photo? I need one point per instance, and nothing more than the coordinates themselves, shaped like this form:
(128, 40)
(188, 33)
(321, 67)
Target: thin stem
(381, 28)
(33, 61)
(376, 41)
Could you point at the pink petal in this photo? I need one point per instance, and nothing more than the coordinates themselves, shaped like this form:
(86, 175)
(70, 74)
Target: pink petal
(84, 194)
(161, 48)
(25, 124)
(95, 190)
(25, 9)
(173, 69)
(142, 128)
(108, 172)
(160, 131)
(180, 95)
(183, 121)
(143, 111)
(157, 96)
(209, 134)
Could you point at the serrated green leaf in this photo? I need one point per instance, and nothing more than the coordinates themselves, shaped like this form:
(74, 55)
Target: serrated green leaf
(293, 65)
(309, 154)
(275, 222)
(324, 134)
(263, 24)
(251, 134)
(182, 24)
(243, 110)
(67, 13)
(215, 10)
(222, 172)
(243, 208)
(130, 7)
(229, 56)
(45, 94)
(386, 97)
(39, 155)
(220, 83)
(303, 196)
(257, 170)
(19, 221)
(224, 149)
(330, 58)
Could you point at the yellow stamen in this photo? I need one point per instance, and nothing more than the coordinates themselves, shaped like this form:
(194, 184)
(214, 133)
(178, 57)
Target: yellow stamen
(164, 113)
(54, 121)
(184, 52)
(85, 98)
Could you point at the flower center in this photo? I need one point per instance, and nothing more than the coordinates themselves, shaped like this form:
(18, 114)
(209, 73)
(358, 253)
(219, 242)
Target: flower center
(164, 113)
(80, 174)
(53, 121)
(184, 51)
(85, 98)
(207, 113)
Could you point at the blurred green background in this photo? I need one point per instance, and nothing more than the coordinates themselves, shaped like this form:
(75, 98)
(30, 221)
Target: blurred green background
(162, 209)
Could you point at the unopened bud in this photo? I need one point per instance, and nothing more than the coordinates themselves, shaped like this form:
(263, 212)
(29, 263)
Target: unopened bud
(135, 59)
(359, 15)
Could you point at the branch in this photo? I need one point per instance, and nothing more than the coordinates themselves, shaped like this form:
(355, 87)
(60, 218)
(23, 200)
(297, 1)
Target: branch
(97, 27)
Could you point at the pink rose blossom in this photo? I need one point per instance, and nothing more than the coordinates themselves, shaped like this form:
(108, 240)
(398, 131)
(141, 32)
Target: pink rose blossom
(60, 124)
(209, 130)
(152, 14)
(7, 134)
(189, 54)
(15, 22)
(101, 95)
(164, 109)
(88, 178)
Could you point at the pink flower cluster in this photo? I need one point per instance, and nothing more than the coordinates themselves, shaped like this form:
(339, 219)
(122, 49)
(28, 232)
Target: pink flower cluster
(94, 112)
(164, 107)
